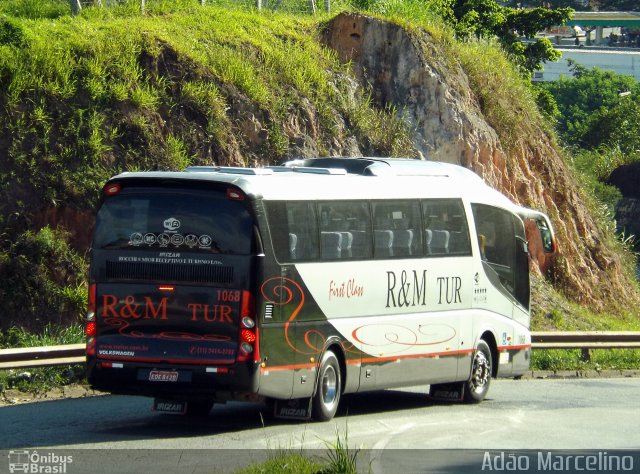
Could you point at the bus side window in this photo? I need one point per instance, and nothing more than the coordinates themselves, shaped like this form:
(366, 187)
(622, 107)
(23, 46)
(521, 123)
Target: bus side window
(293, 229)
(301, 218)
(397, 227)
(447, 231)
(500, 240)
(345, 230)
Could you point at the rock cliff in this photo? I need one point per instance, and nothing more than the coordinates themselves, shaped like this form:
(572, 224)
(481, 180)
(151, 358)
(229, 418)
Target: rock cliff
(626, 179)
(409, 71)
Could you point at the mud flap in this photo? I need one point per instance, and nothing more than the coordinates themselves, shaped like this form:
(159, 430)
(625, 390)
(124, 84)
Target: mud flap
(295, 409)
(447, 392)
(171, 407)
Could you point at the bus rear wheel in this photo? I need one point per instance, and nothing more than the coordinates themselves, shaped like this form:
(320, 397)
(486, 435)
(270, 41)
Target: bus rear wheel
(477, 386)
(327, 396)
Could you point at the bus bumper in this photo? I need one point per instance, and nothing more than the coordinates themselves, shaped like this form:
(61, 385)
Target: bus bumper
(195, 382)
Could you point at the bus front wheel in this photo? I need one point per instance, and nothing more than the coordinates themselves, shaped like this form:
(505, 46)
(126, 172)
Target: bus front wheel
(327, 396)
(478, 384)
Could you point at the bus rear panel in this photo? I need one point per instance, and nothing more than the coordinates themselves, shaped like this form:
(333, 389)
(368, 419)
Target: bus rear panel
(171, 296)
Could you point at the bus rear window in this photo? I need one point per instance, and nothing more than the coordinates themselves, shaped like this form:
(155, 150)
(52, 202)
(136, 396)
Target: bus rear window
(203, 222)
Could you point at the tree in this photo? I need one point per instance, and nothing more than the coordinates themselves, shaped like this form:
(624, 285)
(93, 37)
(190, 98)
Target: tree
(575, 4)
(615, 127)
(617, 5)
(590, 92)
(487, 19)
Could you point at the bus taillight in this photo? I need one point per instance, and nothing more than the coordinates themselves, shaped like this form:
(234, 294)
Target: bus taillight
(112, 189)
(248, 348)
(90, 329)
(91, 310)
(248, 336)
(248, 308)
(235, 194)
(90, 326)
(91, 346)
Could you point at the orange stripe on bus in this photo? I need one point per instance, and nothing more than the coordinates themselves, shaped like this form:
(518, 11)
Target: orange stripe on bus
(514, 348)
(370, 360)
(287, 367)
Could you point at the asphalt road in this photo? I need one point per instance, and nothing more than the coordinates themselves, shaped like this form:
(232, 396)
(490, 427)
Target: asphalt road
(572, 414)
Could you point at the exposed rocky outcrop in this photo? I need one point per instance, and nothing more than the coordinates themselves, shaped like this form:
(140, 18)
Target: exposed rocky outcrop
(409, 71)
(627, 179)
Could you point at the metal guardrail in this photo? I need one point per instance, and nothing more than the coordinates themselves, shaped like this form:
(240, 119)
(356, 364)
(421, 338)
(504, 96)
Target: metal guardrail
(25, 357)
(586, 340)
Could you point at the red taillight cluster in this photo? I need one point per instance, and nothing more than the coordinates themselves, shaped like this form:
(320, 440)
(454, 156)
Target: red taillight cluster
(248, 344)
(90, 326)
(90, 329)
(112, 189)
(235, 194)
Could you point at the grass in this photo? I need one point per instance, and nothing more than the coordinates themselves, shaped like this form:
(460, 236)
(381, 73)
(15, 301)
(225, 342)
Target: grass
(285, 462)
(72, 77)
(552, 311)
(52, 335)
(340, 459)
(572, 359)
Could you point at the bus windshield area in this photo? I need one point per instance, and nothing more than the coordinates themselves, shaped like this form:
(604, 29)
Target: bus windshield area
(177, 221)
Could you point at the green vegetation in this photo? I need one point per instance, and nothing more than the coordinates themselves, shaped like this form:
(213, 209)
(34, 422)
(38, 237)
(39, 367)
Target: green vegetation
(591, 5)
(285, 462)
(51, 335)
(600, 359)
(488, 19)
(41, 379)
(592, 99)
(340, 459)
(598, 119)
(43, 280)
(112, 90)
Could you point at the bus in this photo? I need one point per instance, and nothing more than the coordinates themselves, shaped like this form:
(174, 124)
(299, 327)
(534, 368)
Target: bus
(297, 284)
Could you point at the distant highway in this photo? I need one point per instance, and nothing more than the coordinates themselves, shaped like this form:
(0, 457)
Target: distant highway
(585, 414)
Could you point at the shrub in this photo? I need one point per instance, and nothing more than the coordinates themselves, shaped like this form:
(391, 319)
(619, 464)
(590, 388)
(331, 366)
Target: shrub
(43, 281)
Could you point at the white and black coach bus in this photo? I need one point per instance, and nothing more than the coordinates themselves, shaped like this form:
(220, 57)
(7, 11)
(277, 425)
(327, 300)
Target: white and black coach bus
(300, 283)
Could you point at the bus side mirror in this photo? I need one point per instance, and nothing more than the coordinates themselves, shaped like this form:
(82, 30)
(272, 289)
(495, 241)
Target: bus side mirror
(524, 242)
(541, 242)
(549, 244)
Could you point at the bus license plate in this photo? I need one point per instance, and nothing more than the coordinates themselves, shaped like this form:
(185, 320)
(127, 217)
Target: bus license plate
(163, 376)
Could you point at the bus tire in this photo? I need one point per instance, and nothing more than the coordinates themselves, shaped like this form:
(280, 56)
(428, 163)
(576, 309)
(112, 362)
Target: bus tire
(199, 408)
(477, 386)
(327, 396)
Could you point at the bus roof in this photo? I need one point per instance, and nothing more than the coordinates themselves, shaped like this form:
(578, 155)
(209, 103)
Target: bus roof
(344, 178)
